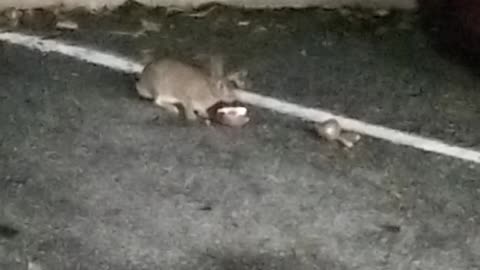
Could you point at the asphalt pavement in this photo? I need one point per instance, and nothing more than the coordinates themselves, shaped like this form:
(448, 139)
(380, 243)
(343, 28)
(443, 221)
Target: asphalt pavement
(93, 177)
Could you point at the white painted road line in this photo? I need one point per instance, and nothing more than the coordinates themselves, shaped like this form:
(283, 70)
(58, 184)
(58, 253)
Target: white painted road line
(86, 54)
(312, 114)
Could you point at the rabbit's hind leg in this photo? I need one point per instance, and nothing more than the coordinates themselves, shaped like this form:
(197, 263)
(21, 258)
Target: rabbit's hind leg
(167, 104)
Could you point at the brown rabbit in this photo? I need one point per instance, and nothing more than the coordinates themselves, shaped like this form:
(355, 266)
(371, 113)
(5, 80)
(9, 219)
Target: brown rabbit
(169, 82)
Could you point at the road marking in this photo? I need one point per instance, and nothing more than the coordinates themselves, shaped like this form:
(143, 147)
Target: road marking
(126, 65)
(109, 60)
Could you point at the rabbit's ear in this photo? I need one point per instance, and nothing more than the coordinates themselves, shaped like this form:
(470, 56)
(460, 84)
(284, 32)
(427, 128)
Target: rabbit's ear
(224, 91)
(216, 66)
(239, 78)
(221, 86)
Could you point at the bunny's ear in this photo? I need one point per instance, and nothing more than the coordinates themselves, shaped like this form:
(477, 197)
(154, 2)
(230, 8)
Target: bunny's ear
(221, 85)
(216, 66)
(239, 79)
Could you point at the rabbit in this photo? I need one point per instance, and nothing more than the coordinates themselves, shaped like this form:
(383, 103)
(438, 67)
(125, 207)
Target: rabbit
(169, 82)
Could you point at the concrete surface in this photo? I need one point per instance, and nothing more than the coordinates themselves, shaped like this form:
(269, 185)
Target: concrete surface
(93, 177)
(98, 4)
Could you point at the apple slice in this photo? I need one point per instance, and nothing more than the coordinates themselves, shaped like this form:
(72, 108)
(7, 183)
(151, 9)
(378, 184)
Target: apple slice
(233, 116)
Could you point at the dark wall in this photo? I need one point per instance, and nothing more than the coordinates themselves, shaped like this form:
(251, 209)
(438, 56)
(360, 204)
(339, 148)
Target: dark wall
(455, 24)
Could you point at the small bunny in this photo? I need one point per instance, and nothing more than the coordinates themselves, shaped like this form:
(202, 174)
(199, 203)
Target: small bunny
(169, 82)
